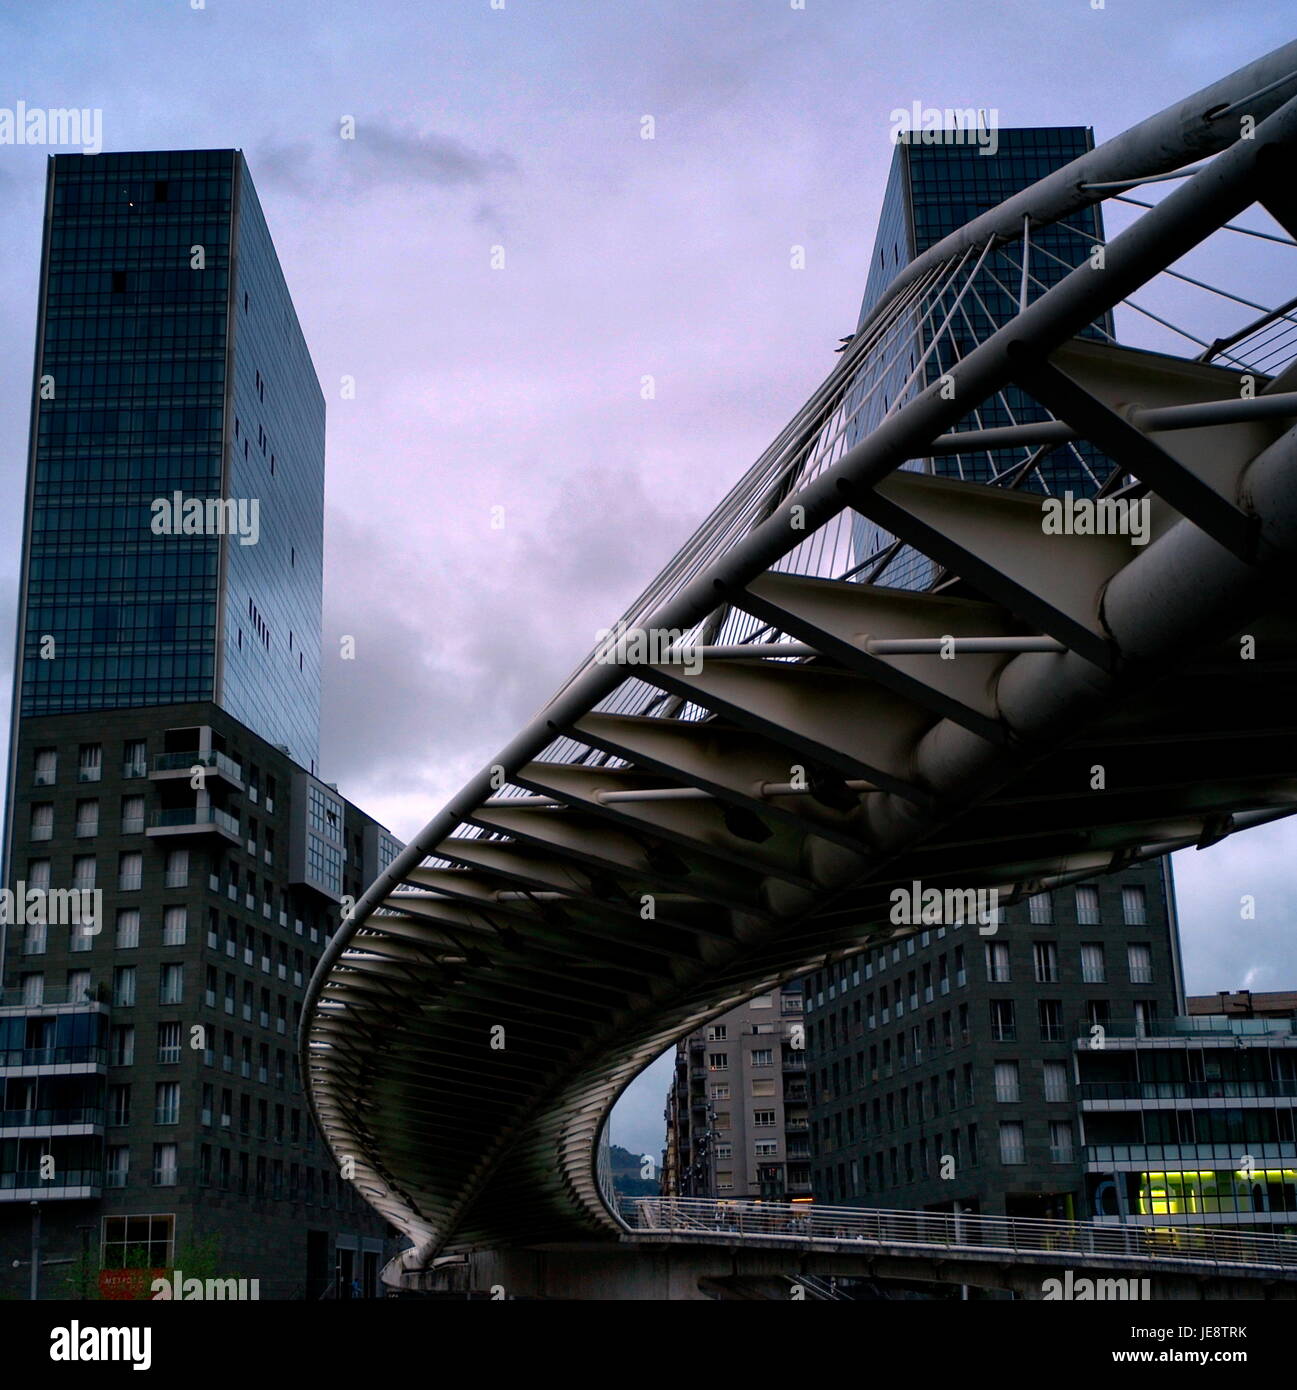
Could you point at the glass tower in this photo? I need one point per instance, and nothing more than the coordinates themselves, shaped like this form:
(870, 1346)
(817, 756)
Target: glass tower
(932, 190)
(173, 546)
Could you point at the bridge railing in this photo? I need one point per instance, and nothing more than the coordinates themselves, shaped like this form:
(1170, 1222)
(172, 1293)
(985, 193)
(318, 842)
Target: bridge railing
(958, 1230)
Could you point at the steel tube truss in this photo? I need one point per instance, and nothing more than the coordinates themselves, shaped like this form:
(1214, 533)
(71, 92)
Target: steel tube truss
(678, 831)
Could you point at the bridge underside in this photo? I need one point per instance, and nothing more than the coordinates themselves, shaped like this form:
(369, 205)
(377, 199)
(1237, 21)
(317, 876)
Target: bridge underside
(650, 1270)
(668, 839)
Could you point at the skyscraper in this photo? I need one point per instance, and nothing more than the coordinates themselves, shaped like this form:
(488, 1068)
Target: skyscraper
(175, 863)
(172, 374)
(933, 189)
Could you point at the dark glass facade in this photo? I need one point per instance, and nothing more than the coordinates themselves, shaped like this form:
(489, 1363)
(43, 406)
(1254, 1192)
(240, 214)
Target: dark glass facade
(933, 190)
(169, 362)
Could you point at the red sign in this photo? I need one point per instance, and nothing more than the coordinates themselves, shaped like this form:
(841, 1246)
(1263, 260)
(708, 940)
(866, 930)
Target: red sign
(128, 1283)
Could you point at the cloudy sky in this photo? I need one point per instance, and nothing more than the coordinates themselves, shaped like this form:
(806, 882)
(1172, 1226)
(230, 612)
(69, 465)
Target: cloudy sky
(513, 129)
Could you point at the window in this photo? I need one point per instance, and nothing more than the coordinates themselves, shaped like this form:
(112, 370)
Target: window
(718, 1061)
(130, 872)
(1003, 1027)
(174, 925)
(87, 822)
(1139, 963)
(1045, 955)
(1050, 1012)
(34, 939)
(117, 1165)
(164, 1165)
(46, 767)
(132, 815)
(724, 1150)
(724, 1180)
(1012, 1147)
(168, 1042)
(1099, 1012)
(83, 872)
(177, 870)
(166, 1110)
(33, 987)
(1006, 1082)
(1040, 906)
(121, 1045)
(1060, 1141)
(763, 1086)
(90, 763)
(42, 823)
(81, 935)
(1145, 1017)
(763, 1057)
(78, 986)
(128, 928)
(997, 962)
(171, 984)
(1092, 963)
(766, 1148)
(721, 1091)
(763, 1119)
(1087, 905)
(1055, 1080)
(124, 1236)
(135, 761)
(119, 1105)
(1133, 906)
(124, 986)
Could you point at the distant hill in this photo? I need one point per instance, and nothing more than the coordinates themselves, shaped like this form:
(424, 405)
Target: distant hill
(626, 1169)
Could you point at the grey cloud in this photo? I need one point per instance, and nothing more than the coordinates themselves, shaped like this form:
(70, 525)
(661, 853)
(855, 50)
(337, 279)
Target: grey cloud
(386, 154)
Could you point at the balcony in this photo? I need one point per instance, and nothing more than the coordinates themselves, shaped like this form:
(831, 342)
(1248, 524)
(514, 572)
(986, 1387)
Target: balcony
(194, 820)
(1099, 1092)
(1226, 1156)
(174, 766)
(85, 1119)
(71, 1184)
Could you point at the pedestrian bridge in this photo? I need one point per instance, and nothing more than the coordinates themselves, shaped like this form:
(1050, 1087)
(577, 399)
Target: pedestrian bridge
(1024, 706)
(701, 1248)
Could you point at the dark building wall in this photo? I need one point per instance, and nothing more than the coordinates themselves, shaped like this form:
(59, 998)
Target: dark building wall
(262, 1226)
(856, 1070)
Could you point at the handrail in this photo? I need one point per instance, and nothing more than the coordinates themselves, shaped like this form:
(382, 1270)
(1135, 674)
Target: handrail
(958, 1231)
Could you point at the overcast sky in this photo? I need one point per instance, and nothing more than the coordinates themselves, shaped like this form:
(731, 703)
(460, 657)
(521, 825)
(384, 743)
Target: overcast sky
(520, 387)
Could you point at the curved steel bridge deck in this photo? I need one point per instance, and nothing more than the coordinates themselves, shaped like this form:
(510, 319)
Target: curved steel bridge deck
(665, 840)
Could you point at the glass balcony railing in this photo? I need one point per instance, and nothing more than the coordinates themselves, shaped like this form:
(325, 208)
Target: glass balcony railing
(1232, 1155)
(68, 1177)
(1187, 1090)
(52, 1056)
(212, 761)
(1191, 1027)
(74, 1115)
(195, 816)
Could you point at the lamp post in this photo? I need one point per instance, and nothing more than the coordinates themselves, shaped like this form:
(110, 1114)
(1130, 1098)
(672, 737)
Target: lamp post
(34, 1286)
